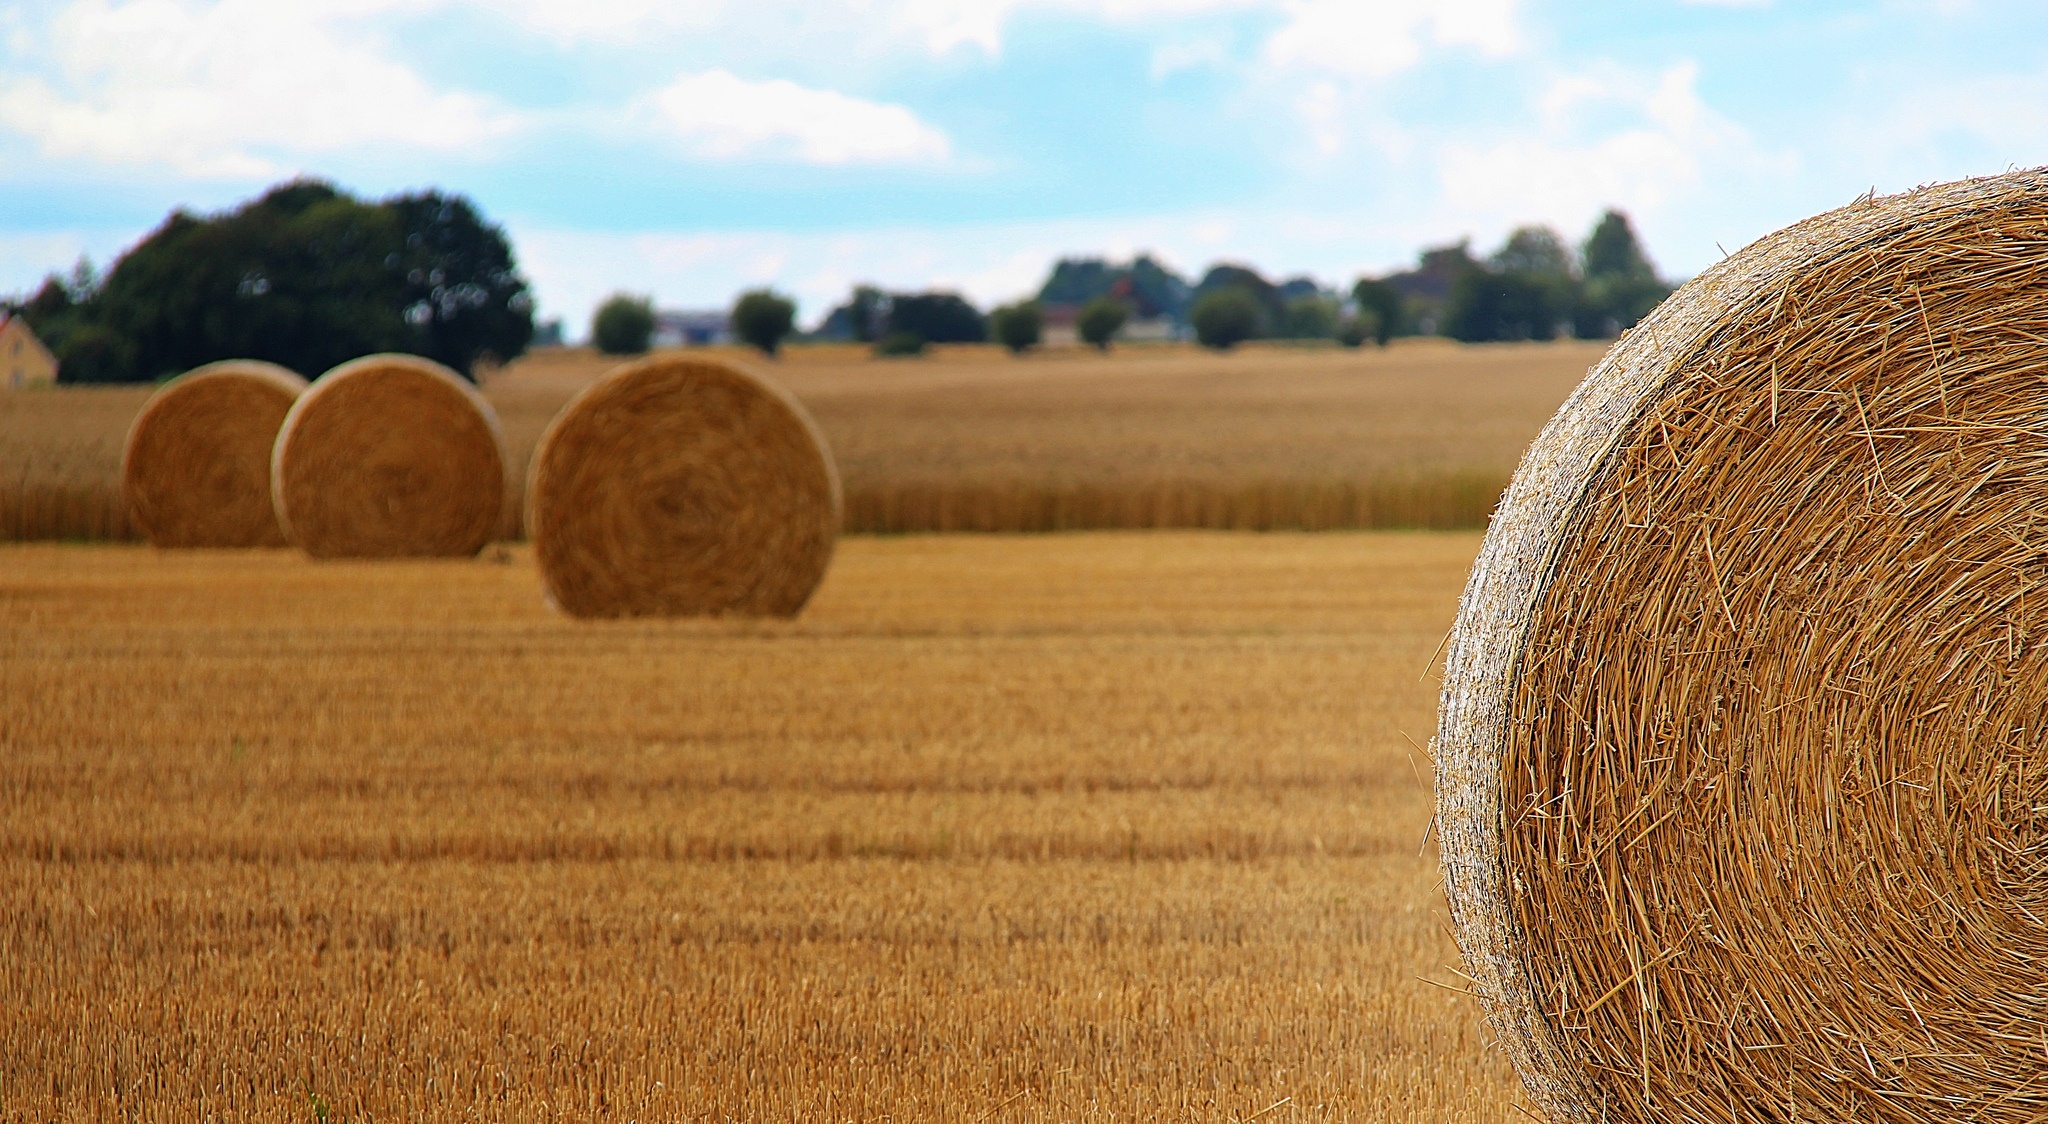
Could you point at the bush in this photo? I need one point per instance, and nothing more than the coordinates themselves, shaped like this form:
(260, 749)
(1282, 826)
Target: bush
(1362, 326)
(900, 344)
(762, 318)
(1100, 320)
(1225, 317)
(623, 324)
(1383, 301)
(1018, 326)
(1310, 318)
(937, 317)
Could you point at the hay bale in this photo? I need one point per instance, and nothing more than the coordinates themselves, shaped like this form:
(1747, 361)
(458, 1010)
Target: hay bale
(1742, 764)
(679, 487)
(390, 456)
(196, 464)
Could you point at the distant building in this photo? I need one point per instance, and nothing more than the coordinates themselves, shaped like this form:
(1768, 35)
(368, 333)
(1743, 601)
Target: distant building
(692, 327)
(23, 358)
(1060, 329)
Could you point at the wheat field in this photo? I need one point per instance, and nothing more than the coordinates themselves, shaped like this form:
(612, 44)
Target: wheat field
(1422, 434)
(1106, 826)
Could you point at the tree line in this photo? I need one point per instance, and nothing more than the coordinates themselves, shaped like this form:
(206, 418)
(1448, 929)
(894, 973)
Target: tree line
(305, 275)
(1533, 287)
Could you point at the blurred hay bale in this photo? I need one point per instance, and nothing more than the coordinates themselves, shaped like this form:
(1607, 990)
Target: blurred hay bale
(676, 487)
(196, 465)
(390, 456)
(1741, 767)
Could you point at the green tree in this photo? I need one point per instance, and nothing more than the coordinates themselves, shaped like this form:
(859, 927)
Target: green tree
(937, 317)
(462, 294)
(1621, 284)
(1359, 327)
(623, 324)
(304, 275)
(762, 318)
(1225, 317)
(1100, 320)
(1527, 290)
(900, 345)
(1019, 326)
(1383, 301)
(1309, 318)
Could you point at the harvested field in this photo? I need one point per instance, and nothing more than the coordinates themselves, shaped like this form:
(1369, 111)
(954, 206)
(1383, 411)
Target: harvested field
(1422, 434)
(1105, 826)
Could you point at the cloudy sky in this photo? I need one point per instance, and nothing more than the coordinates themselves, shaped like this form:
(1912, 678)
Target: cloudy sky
(690, 148)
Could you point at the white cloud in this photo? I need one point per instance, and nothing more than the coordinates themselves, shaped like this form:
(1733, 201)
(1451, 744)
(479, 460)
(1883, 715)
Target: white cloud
(1378, 38)
(238, 89)
(1668, 144)
(720, 116)
(572, 20)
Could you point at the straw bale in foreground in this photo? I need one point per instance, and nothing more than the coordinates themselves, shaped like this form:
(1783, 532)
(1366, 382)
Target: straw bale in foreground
(676, 487)
(196, 464)
(390, 456)
(1742, 765)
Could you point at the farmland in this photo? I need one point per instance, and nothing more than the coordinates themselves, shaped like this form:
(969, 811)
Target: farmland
(1422, 434)
(1098, 826)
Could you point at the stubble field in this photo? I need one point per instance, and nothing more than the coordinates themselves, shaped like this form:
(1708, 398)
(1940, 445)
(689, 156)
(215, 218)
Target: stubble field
(1098, 826)
(1421, 434)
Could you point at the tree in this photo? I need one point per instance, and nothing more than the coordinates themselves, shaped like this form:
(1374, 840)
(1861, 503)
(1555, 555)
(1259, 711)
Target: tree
(1621, 284)
(937, 317)
(304, 275)
(1226, 317)
(1311, 317)
(900, 344)
(1527, 290)
(762, 318)
(463, 295)
(1359, 327)
(1383, 302)
(1018, 326)
(623, 324)
(1100, 320)
(1266, 295)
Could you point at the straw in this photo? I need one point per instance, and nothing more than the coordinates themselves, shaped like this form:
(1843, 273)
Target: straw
(1742, 764)
(196, 464)
(681, 487)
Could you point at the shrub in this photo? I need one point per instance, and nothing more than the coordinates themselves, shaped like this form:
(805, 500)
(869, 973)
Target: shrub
(762, 318)
(900, 344)
(1225, 317)
(1360, 327)
(623, 324)
(1310, 318)
(1100, 320)
(1018, 326)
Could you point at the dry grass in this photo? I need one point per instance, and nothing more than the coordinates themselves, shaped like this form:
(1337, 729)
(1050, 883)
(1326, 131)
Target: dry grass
(1099, 826)
(1422, 434)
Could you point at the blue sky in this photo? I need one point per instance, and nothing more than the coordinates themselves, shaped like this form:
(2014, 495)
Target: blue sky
(691, 148)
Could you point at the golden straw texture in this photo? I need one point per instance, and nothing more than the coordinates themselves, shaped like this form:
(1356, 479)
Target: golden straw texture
(679, 487)
(390, 456)
(1742, 759)
(196, 465)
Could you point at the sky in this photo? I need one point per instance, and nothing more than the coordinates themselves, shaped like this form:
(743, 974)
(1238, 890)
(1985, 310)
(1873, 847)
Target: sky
(689, 149)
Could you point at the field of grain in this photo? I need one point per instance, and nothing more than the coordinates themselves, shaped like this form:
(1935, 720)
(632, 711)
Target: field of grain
(1096, 826)
(1422, 434)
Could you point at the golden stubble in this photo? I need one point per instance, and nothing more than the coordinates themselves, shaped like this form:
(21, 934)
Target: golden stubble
(1077, 826)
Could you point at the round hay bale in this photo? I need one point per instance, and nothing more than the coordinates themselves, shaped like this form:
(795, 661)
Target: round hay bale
(680, 487)
(390, 456)
(196, 464)
(1742, 765)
